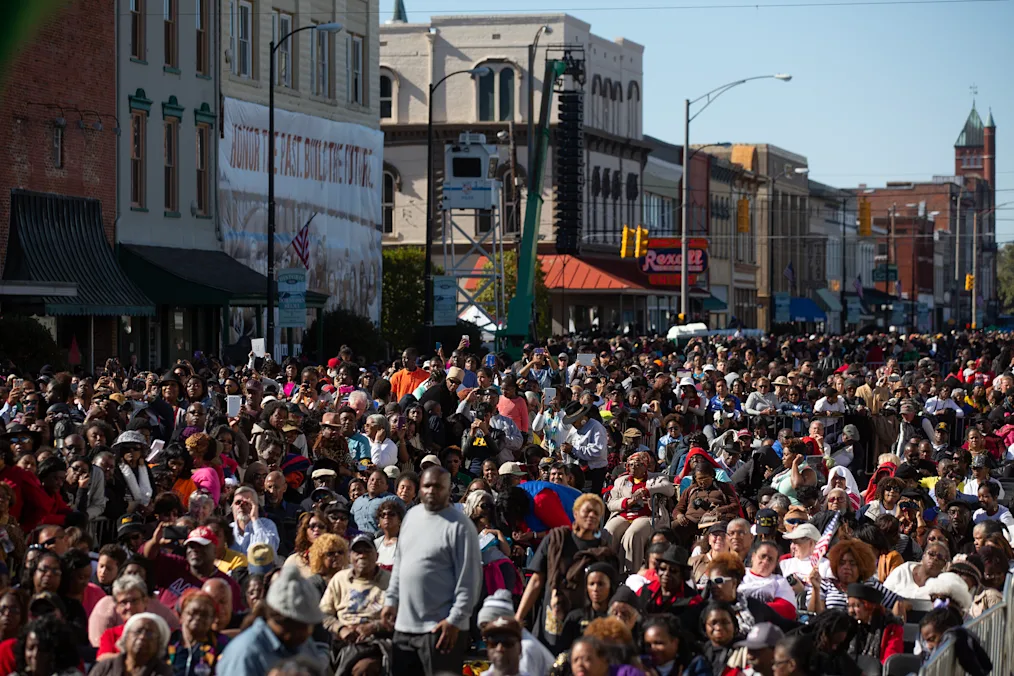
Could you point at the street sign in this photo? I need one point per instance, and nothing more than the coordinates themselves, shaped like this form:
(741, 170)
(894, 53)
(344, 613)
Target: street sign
(855, 308)
(885, 272)
(445, 300)
(783, 313)
(292, 298)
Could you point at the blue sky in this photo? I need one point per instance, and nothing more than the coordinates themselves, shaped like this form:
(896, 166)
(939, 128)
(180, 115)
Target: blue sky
(879, 91)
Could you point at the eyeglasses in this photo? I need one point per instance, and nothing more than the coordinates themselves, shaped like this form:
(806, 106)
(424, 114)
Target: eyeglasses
(316, 525)
(506, 642)
(20, 440)
(795, 521)
(720, 580)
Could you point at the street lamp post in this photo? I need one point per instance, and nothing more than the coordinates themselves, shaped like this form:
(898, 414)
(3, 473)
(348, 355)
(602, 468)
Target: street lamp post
(532, 51)
(687, 118)
(428, 260)
(332, 27)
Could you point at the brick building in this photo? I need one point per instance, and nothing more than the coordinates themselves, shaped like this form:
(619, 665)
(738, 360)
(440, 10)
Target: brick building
(948, 209)
(58, 209)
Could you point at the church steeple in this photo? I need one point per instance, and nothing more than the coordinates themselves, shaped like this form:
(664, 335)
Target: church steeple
(971, 133)
(399, 15)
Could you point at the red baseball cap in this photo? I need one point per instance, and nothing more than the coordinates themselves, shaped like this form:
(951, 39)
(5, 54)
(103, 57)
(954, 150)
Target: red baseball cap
(333, 362)
(202, 535)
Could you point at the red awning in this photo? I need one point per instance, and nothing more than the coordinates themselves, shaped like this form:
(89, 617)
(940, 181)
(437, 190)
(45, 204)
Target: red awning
(574, 274)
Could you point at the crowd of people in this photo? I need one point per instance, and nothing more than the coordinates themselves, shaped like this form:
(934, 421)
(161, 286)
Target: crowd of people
(721, 506)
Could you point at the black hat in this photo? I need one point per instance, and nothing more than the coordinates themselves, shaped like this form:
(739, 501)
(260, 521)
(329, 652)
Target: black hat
(767, 521)
(905, 472)
(864, 592)
(626, 595)
(575, 411)
(676, 555)
(169, 377)
(959, 503)
(602, 567)
(720, 527)
(128, 524)
(19, 430)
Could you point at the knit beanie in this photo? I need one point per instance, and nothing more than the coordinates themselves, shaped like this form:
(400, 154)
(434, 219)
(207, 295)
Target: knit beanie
(498, 604)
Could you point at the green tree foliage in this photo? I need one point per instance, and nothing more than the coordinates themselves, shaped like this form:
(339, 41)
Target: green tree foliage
(1005, 277)
(342, 327)
(404, 295)
(19, 21)
(27, 344)
(543, 308)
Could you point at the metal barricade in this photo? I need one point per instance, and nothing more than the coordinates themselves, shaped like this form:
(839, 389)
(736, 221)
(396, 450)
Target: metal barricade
(995, 629)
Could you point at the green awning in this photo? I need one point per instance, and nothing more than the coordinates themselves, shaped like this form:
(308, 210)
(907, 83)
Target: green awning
(712, 304)
(198, 277)
(57, 238)
(829, 300)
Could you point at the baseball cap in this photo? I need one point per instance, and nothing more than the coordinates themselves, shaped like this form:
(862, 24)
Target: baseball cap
(202, 535)
(720, 527)
(333, 362)
(803, 530)
(687, 381)
(431, 459)
(323, 473)
(128, 524)
(942, 426)
(513, 469)
(767, 521)
(392, 472)
(761, 635)
(546, 461)
(979, 461)
(362, 539)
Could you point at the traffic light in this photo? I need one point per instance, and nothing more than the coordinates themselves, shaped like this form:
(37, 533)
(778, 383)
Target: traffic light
(969, 282)
(865, 218)
(569, 169)
(742, 215)
(626, 245)
(641, 242)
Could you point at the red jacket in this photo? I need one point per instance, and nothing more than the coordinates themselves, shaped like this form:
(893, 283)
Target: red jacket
(32, 505)
(893, 641)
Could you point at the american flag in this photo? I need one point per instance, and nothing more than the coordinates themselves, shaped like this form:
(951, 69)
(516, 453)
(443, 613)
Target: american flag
(824, 543)
(790, 274)
(301, 243)
(858, 284)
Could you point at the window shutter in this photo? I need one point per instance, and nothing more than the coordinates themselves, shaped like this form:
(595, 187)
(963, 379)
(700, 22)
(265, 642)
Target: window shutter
(348, 69)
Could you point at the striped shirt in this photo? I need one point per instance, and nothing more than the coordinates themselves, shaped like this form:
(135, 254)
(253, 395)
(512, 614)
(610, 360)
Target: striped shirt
(835, 598)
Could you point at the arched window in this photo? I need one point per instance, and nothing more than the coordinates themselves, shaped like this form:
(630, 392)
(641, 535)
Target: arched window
(496, 92)
(506, 94)
(616, 102)
(596, 91)
(389, 86)
(388, 203)
(607, 88)
(386, 97)
(633, 110)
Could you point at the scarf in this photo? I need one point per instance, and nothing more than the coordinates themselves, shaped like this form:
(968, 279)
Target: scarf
(743, 614)
(140, 492)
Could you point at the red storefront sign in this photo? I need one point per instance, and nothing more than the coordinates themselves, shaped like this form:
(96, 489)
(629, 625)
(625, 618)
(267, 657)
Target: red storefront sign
(663, 262)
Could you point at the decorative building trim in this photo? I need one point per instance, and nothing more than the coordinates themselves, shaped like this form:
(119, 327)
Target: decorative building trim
(202, 115)
(140, 101)
(172, 108)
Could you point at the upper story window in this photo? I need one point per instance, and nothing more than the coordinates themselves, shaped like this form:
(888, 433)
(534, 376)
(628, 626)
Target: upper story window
(496, 93)
(388, 203)
(137, 29)
(281, 26)
(388, 95)
(354, 65)
(241, 37)
(633, 110)
(170, 19)
(201, 20)
(320, 58)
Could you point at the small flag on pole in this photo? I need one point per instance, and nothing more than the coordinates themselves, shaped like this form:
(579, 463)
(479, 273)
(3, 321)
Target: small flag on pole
(824, 543)
(301, 243)
(858, 284)
(790, 274)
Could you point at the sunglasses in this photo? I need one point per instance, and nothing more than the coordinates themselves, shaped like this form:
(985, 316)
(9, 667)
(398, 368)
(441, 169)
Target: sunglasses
(719, 580)
(795, 521)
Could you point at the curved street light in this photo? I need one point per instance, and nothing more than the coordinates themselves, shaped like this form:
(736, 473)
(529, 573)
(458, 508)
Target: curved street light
(330, 27)
(708, 99)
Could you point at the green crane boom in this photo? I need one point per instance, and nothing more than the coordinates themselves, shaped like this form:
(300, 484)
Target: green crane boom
(520, 317)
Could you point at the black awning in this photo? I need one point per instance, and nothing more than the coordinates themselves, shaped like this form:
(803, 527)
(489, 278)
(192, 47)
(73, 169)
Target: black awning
(57, 238)
(198, 277)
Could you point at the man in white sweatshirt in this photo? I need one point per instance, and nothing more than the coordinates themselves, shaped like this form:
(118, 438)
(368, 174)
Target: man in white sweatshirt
(435, 582)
